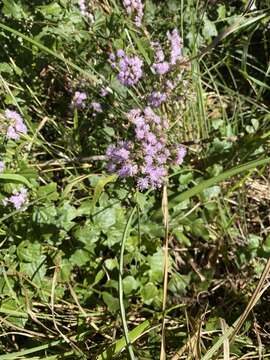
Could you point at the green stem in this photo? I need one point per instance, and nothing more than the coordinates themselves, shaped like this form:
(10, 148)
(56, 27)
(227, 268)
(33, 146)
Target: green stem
(121, 292)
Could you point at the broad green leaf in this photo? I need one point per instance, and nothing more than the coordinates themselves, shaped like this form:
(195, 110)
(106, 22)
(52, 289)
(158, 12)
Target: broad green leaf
(80, 257)
(130, 284)
(156, 266)
(110, 301)
(14, 178)
(149, 292)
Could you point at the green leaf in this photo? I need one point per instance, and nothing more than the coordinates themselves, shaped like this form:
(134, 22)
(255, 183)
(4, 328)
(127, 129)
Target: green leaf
(105, 219)
(149, 292)
(50, 9)
(130, 284)
(29, 251)
(117, 347)
(111, 264)
(209, 29)
(49, 51)
(36, 270)
(48, 191)
(178, 283)
(14, 314)
(80, 257)
(100, 187)
(13, 9)
(110, 301)
(15, 178)
(156, 266)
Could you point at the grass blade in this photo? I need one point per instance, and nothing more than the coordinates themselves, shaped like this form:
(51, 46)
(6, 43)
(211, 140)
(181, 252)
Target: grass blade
(134, 334)
(217, 179)
(16, 355)
(121, 292)
(165, 271)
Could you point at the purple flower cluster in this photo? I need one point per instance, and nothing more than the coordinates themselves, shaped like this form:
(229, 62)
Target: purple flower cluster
(121, 159)
(176, 46)
(156, 98)
(130, 68)
(18, 199)
(146, 159)
(83, 9)
(16, 125)
(161, 66)
(2, 166)
(134, 6)
(79, 99)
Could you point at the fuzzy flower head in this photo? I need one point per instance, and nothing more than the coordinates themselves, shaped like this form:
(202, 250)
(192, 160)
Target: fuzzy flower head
(156, 98)
(176, 46)
(160, 65)
(16, 125)
(147, 158)
(180, 154)
(134, 7)
(18, 199)
(79, 99)
(130, 68)
(103, 92)
(83, 10)
(2, 166)
(96, 107)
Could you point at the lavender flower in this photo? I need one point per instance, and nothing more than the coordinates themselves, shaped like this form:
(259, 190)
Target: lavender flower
(103, 92)
(2, 166)
(145, 158)
(136, 7)
(161, 68)
(16, 125)
(18, 199)
(79, 99)
(176, 46)
(159, 53)
(96, 107)
(156, 99)
(180, 154)
(130, 68)
(83, 9)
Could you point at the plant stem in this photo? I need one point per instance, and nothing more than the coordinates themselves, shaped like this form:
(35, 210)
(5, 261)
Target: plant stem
(165, 273)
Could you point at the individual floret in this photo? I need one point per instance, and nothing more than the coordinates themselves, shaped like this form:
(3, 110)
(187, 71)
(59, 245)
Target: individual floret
(18, 199)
